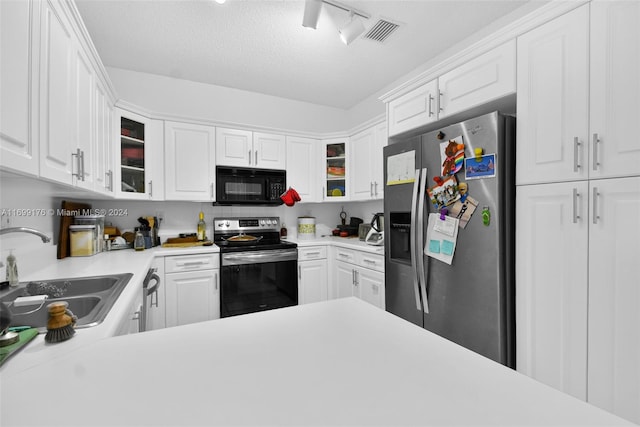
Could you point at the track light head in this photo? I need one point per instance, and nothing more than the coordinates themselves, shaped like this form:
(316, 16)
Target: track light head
(312, 10)
(352, 30)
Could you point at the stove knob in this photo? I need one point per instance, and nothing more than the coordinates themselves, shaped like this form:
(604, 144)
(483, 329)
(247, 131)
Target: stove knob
(262, 222)
(227, 223)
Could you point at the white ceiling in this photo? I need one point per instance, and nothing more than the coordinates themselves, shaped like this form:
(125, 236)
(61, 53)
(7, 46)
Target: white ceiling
(261, 46)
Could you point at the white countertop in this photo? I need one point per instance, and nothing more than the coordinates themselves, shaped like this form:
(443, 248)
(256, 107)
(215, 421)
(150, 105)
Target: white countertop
(114, 262)
(340, 362)
(346, 242)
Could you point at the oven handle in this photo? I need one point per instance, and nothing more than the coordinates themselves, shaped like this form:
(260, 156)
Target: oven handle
(252, 257)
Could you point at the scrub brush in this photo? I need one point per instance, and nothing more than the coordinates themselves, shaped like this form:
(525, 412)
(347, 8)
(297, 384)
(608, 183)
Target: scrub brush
(60, 326)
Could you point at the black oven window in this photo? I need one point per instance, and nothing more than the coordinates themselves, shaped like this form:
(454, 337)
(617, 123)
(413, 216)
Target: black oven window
(256, 287)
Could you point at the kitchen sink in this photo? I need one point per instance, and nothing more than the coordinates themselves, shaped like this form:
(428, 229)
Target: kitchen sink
(89, 298)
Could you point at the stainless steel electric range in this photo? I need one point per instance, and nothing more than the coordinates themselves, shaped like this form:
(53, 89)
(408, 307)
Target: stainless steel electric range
(258, 270)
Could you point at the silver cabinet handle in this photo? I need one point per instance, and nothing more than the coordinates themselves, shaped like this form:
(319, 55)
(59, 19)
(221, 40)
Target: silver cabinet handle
(299, 273)
(576, 217)
(215, 279)
(256, 162)
(323, 193)
(249, 157)
(430, 105)
(576, 146)
(82, 164)
(440, 94)
(79, 168)
(109, 179)
(375, 188)
(595, 143)
(151, 188)
(356, 274)
(212, 190)
(596, 194)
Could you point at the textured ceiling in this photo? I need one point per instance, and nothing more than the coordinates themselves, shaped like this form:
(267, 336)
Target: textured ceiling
(261, 46)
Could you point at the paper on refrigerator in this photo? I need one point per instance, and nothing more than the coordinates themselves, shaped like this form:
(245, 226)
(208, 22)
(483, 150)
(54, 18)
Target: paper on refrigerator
(442, 235)
(401, 168)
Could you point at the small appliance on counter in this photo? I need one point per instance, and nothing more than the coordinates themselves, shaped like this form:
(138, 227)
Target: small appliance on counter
(375, 236)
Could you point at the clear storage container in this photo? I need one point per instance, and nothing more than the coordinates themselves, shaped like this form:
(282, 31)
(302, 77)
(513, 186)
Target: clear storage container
(83, 240)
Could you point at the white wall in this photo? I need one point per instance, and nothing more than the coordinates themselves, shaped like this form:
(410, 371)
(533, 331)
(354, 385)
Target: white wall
(183, 98)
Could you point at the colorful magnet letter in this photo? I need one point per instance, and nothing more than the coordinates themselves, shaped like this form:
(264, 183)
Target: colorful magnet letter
(443, 214)
(438, 180)
(486, 216)
(478, 152)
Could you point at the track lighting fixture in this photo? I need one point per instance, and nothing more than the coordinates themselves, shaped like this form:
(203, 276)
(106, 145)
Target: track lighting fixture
(312, 10)
(351, 30)
(348, 33)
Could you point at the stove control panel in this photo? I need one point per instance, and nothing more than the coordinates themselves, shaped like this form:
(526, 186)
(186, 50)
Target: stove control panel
(246, 224)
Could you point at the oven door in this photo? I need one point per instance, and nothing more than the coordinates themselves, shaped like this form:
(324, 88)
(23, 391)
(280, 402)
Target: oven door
(258, 280)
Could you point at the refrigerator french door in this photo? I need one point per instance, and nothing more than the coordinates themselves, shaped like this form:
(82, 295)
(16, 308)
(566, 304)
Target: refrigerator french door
(470, 301)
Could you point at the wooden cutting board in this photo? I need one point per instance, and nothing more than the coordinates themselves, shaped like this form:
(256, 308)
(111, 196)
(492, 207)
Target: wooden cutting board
(64, 246)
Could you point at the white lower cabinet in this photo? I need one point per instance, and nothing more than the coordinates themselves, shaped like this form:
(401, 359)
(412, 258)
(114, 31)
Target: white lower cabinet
(577, 293)
(312, 274)
(552, 285)
(359, 274)
(192, 285)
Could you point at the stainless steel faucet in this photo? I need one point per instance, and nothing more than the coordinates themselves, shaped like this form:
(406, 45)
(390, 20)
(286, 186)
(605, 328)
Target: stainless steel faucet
(44, 237)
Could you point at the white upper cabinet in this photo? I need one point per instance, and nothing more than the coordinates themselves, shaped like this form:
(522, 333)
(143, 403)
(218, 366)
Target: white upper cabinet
(553, 100)
(303, 167)
(366, 160)
(234, 147)
(59, 156)
(485, 78)
(615, 89)
(19, 25)
(189, 170)
(139, 150)
(83, 118)
(414, 109)
(269, 151)
(490, 76)
(103, 159)
(244, 148)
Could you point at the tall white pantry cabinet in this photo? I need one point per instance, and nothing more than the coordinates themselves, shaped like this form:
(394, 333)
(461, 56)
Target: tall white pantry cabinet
(578, 205)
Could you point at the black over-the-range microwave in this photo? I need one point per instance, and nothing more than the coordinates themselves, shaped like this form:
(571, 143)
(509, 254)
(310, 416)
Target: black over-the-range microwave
(249, 186)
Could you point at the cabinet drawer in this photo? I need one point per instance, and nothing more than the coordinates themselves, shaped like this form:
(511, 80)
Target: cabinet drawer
(346, 255)
(174, 264)
(309, 253)
(372, 261)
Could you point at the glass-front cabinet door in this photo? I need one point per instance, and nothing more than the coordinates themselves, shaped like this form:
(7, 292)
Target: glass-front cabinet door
(139, 150)
(335, 186)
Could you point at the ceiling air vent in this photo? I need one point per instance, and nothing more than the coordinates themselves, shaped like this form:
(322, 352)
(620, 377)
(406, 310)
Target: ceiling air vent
(381, 31)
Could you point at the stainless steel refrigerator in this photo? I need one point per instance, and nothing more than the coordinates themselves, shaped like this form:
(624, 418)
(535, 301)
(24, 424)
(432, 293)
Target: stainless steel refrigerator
(471, 300)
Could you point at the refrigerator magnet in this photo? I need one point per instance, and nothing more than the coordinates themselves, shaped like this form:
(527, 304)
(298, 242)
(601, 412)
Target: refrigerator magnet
(452, 155)
(485, 167)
